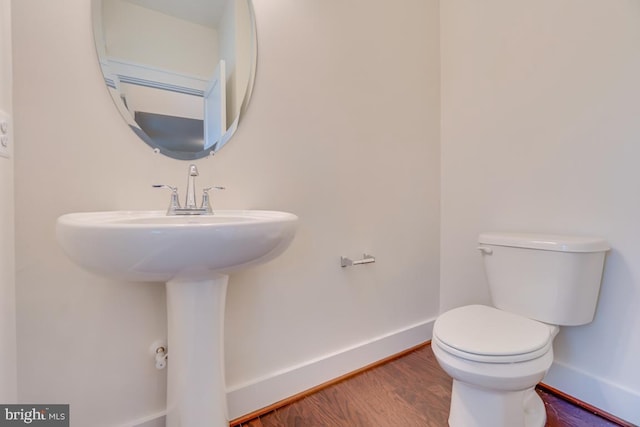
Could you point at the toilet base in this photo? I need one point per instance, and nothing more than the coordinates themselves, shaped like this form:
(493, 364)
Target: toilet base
(473, 406)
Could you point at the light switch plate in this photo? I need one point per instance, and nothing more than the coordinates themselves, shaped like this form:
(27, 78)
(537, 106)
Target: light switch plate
(6, 131)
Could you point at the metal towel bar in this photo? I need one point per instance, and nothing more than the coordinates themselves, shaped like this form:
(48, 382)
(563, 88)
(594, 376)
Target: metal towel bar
(366, 259)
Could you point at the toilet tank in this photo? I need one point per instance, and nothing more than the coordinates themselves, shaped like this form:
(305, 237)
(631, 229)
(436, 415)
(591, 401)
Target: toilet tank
(551, 278)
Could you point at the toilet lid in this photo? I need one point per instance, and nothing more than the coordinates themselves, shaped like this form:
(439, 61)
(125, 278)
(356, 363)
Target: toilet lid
(491, 334)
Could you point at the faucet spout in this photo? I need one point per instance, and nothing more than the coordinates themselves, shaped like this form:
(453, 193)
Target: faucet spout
(190, 202)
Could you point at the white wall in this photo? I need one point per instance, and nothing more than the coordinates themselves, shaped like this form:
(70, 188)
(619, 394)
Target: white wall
(7, 277)
(540, 132)
(343, 130)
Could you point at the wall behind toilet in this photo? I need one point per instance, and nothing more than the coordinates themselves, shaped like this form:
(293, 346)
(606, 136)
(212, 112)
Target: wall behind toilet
(343, 130)
(7, 279)
(540, 132)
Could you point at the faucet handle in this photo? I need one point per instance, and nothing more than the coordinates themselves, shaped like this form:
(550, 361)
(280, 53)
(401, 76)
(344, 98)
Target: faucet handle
(206, 203)
(173, 189)
(175, 202)
(206, 190)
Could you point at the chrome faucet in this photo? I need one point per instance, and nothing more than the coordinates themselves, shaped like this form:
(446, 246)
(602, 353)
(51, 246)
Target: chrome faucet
(190, 207)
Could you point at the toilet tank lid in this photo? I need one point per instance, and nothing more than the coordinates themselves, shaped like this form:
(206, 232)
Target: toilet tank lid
(546, 242)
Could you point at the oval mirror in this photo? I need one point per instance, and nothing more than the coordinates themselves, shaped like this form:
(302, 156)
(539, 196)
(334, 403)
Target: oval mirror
(180, 72)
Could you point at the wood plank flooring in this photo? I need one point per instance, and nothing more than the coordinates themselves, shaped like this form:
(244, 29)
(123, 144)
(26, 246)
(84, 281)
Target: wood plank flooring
(409, 391)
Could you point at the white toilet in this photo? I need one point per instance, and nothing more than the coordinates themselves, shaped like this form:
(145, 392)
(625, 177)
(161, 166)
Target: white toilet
(496, 355)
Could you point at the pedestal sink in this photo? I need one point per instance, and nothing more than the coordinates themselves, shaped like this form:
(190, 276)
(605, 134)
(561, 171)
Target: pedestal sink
(193, 255)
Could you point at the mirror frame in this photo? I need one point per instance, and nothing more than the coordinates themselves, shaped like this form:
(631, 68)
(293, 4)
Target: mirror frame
(96, 16)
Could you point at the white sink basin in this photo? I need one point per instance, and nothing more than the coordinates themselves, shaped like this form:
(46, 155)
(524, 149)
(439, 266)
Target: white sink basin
(150, 246)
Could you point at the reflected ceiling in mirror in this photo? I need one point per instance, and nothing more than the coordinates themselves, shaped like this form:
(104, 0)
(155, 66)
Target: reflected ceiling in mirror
(180, 72)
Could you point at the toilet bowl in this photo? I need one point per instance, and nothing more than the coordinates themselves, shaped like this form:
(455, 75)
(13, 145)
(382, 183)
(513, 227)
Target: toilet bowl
(495, 359)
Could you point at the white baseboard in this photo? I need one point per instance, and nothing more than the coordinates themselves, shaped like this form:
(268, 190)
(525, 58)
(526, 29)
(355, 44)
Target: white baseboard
(156, 422)
(249, 397)
(601, 393)
(153, 420)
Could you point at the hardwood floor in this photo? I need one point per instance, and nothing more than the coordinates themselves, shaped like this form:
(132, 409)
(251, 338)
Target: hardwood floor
(408, 391)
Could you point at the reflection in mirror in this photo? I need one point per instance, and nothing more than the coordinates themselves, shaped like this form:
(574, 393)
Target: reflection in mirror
(179, 71)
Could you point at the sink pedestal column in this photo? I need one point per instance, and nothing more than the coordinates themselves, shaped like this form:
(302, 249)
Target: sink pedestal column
(196, 389)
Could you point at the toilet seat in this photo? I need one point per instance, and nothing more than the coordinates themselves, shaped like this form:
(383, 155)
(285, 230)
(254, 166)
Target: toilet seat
(485, 334)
